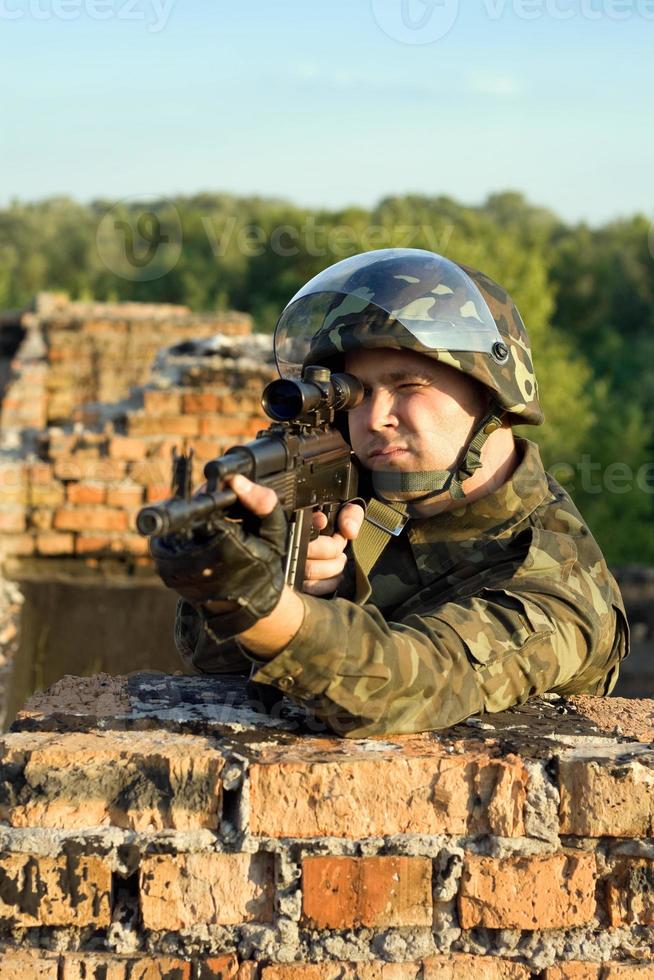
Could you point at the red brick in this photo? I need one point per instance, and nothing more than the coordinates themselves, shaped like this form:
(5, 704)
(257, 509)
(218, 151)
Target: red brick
(107, 470)
(12, 475)
(346, 892)
(241, 404)
(600, 798)
(52, 543)
(127, 448)
(152, 472)
(69, 468)
(90, 519)
(335, 970)
(101, 470)
(86, 493)
(61, 355)
(145, 781)
(87, 966)
(12, 520)
(162, 402)
(162, 450)
(321, 793)
(40, 473)
(200, 402)
(157, 492)
(163, 425)
(135, 544)
(43, 891)
(51, 495)
(219, 427)
(13, 485)
(185, 890)
(253, 426)
(576, 970)
(125, 495)
(92, 543)
(627, 971)
(452, 967)
(630, 893)
(29, 965)
(573, 971)
(19, 545)
(226, 968)
(206, 449)
(464, 967)
(87, 452)
(552, 891)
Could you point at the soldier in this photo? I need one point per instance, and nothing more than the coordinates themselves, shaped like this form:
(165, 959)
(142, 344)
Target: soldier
(486, 586)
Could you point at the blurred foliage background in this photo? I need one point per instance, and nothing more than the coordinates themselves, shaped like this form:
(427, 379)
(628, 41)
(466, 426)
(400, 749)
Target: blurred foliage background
(586, 295)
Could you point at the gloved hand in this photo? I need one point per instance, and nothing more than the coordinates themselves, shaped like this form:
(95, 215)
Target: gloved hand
(240, 566)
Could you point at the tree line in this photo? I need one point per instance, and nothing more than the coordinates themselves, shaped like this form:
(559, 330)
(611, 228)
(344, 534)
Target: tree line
(585, 293)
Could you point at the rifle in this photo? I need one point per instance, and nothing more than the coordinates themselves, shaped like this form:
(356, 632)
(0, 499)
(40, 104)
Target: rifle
(302, 456)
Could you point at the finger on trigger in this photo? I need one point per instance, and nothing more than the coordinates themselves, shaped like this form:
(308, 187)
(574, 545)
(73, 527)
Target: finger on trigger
(319, 520)
(350, 520)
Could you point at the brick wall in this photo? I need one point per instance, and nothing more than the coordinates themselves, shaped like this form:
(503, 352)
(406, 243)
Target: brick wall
(157, 826)
(95, 407)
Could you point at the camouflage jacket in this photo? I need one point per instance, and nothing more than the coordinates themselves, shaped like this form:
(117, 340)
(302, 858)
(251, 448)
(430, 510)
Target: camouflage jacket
(474, 610)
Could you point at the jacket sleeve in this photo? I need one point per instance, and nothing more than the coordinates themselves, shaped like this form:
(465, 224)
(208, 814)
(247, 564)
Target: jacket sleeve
(365, 676)
(202, 652)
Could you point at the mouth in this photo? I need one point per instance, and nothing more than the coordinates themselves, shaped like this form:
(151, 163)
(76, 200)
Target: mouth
(388, 454)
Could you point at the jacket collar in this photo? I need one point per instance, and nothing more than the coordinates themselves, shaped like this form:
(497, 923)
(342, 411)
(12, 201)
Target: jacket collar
(499, 511)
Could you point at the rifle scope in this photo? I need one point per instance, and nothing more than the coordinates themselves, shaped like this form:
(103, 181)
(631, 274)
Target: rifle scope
(286, 400)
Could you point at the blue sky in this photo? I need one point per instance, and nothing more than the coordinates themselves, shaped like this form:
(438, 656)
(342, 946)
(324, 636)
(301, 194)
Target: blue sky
(331, 103)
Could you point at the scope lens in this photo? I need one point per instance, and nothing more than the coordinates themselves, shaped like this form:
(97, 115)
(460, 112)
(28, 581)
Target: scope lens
(282, 400)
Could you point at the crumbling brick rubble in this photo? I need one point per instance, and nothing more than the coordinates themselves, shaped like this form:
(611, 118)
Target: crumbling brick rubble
(160, 826)
(100, 395)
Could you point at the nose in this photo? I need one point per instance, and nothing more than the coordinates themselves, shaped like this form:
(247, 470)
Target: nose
(381, 410)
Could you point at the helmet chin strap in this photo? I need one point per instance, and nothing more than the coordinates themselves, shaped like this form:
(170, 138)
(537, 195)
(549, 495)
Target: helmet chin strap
(394, 485)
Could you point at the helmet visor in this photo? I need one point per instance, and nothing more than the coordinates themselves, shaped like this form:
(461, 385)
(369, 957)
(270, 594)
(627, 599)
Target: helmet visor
(422, 298)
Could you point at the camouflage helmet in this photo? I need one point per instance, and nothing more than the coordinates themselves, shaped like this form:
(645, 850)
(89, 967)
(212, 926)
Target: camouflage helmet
(405, 298)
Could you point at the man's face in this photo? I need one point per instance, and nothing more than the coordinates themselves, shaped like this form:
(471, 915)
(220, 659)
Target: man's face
(416, 413)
